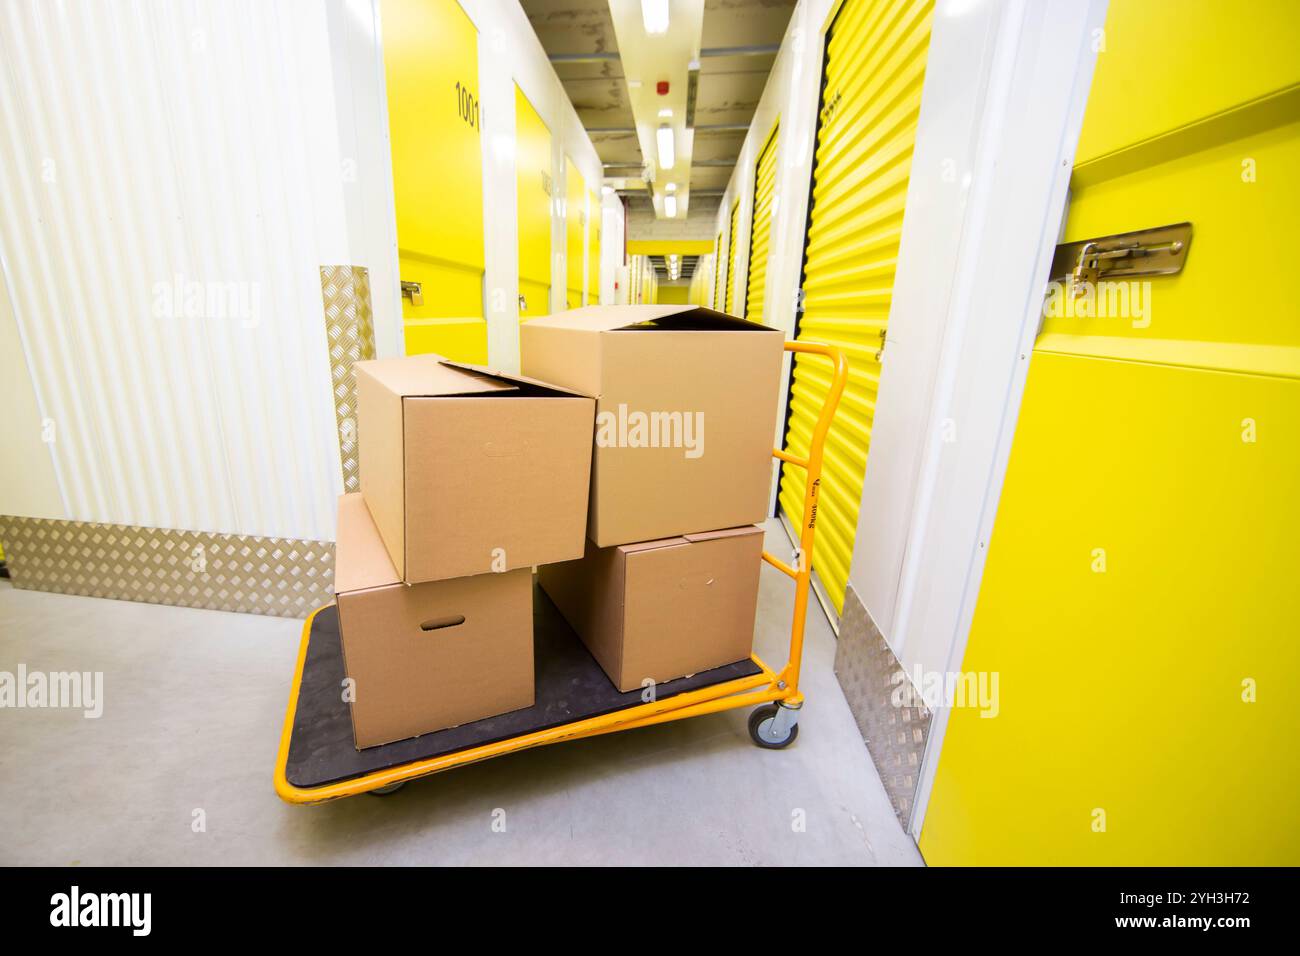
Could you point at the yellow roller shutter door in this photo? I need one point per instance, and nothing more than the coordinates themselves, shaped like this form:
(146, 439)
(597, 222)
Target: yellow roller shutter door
(718, 273)
(871, 101)
(431, 72)
(575, 218)
(760, 235)
(733, 257)
(594, 223)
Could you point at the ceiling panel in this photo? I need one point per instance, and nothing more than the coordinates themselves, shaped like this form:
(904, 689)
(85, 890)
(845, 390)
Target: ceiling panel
(579, 37)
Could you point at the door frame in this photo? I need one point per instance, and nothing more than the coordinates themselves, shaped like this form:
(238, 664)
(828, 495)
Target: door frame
(1036, 69)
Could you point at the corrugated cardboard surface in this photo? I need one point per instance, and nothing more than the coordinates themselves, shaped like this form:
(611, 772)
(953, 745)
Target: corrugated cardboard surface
(408, 680)
(669, 359)
(379, 420)
(663, 609)
(468, 471)
(364, 561)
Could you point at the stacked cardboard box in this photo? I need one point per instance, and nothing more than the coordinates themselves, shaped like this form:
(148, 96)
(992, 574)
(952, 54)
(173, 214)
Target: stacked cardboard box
(469, 478)
(634, 482)
(686, 402)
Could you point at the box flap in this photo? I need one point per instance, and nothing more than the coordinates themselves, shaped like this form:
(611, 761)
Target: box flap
(695, 320)
(429, 375)
(724, 533)
(360, 559)
(652, 545)
(600, 318)
(509, 377)
(625, 318)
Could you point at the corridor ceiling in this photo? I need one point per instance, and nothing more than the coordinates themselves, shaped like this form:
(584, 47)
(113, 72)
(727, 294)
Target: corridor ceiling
(731, 44)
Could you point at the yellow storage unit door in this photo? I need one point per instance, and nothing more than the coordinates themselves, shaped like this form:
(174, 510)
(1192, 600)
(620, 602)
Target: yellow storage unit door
(575, 221)
(533, 190)
(871, 100)
(718, 273)
(760, 233)
(1139, 603)
(733, 248)
(431, 71)
(594, 225)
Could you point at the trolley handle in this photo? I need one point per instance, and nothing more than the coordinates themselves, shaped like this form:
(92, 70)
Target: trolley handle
(788, 679)
(813, 463)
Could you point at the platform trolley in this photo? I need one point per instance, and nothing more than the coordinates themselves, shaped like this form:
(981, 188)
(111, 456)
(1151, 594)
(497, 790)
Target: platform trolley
(318, 760)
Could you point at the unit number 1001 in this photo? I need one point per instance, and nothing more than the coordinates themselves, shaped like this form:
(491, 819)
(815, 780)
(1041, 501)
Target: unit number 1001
(467, 105)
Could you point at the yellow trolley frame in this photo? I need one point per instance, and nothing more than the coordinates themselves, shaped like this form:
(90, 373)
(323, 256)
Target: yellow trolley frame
(767, 686)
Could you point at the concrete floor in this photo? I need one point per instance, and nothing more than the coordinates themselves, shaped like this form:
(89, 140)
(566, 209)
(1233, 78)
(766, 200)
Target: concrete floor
(194, 702)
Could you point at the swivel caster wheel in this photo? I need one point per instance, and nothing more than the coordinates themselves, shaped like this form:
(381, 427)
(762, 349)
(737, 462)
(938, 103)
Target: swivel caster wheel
(774, 726)
(385, 791)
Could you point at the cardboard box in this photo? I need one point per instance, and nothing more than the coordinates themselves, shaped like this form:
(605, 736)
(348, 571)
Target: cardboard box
(664, 609)
(467, 470)
(428, 656)
(720, 376)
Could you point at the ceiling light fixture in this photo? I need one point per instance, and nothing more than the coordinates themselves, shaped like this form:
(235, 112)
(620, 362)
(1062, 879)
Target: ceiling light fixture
(664, 138)
(670, 206)
(654, 14)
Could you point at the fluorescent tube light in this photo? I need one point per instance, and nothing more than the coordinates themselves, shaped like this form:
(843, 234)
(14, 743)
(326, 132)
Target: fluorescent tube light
(654, 14)
(664, 139)
(670, 206)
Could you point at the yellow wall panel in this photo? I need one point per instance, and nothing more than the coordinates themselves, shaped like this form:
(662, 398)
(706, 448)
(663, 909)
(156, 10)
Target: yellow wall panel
(673, 295)
(1223, 55)
(1121, 690)
(534, 187)
(664, 247)
(457, 339)
(431, 72)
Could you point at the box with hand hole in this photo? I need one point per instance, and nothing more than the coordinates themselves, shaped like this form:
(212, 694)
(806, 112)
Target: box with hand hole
(428, 656)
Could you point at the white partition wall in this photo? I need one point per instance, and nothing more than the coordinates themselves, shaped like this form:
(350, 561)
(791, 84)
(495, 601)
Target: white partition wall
(173, 180)
(164, 219)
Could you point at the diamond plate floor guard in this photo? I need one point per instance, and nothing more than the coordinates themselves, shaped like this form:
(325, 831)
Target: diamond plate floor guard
(869, 673)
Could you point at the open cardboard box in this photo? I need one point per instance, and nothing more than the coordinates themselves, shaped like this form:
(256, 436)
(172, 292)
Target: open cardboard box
(467, 470)
(686, 405)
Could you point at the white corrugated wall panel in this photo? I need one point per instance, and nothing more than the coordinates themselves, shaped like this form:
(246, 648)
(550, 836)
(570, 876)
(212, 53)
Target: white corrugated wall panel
(146, 144)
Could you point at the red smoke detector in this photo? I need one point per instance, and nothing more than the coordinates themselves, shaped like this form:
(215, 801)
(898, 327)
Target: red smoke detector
(662, 87)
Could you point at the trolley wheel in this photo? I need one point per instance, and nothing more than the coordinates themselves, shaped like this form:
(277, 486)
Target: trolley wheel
(766, 729)
(385, 791)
